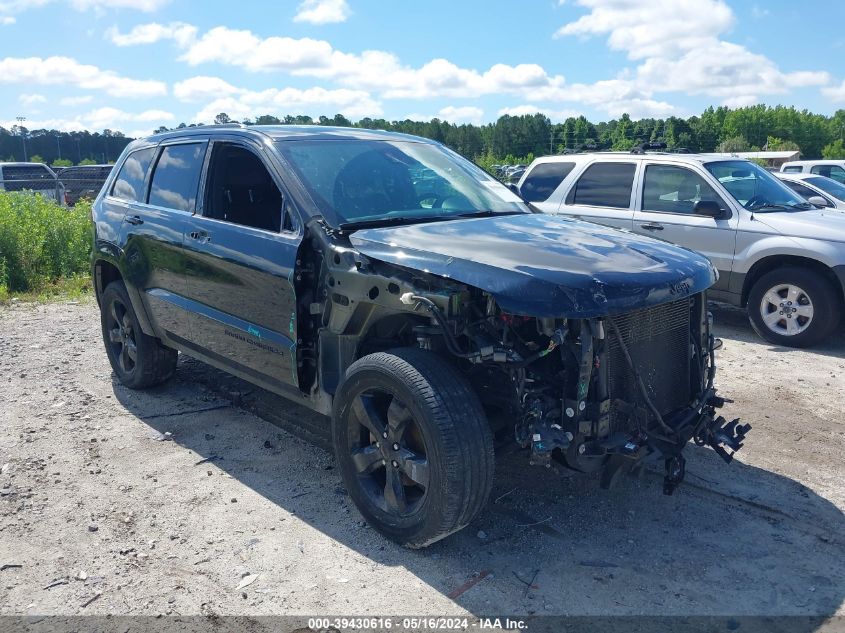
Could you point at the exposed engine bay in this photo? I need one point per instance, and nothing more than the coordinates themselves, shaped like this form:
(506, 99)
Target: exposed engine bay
(601, 393)
(593, 393)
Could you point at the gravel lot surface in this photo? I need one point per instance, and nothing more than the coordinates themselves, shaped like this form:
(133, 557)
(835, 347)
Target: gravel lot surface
(209, 496)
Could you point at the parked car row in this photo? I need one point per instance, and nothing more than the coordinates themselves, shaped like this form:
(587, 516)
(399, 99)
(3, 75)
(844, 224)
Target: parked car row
(66, 185)
(834, 169)
(778, 256)
(509, 173)
(821, 191)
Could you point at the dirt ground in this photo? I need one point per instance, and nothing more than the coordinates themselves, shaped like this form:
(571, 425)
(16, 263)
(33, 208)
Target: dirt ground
(209, 496)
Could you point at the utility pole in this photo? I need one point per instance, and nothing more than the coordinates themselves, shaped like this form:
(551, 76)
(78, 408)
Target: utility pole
(551, 140)
(59, 146)
(20, 120)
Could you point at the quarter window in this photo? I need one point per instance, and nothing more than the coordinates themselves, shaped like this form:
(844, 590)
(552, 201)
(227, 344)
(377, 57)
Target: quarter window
(831, 171)
(129, 184)
(604, 185)
(671, 189)
(800, 189)
(176, 177)
(794, 169)
(543, 180)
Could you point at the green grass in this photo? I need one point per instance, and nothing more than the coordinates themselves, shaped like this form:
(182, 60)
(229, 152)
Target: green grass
(44, 248)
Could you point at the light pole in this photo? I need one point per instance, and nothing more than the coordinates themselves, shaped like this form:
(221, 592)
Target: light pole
(20, 120)
(59, 145)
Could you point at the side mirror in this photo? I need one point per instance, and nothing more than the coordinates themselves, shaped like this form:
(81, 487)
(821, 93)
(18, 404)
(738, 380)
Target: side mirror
(709, 208)
(515, 188)
(818, 201)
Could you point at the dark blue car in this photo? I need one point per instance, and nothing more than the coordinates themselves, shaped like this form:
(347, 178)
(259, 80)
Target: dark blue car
(388, 283)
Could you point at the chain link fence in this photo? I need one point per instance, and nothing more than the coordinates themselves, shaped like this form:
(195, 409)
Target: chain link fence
(65, 185)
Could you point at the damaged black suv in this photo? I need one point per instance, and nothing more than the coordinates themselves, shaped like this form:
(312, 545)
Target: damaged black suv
(385, 281)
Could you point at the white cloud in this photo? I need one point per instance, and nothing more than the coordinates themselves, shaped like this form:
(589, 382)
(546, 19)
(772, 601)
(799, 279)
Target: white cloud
(654, 28)
(147, 6)
(322, 11)
(31, 99)
(203, 87)
(7, 20)
(311, 101)
(723, 69)
(74, 101)
(462, 114)
(685, 54)
(370, 70)
(181, 33)
(835, 93)
(556, 116)
(8, 8)
(452, 114)
(108, 117)
(65, 70)
(98, 119)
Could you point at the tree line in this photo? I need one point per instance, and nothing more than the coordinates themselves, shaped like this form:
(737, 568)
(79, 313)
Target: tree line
(510, 139)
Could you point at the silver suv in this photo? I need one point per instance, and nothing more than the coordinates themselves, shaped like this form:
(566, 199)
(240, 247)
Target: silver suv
(777, 255)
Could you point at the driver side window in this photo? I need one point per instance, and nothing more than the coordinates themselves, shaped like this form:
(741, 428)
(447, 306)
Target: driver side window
(671, 189)
(240, 190)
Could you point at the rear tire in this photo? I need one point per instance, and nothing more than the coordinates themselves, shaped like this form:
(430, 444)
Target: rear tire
(413, 445)
(793, 306)
(138, 360)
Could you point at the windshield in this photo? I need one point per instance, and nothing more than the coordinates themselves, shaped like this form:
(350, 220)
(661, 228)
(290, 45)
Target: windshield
(834, 188)
(754, 187)
(372, 181)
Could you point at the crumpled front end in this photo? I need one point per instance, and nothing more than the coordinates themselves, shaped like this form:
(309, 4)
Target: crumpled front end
(596, 393)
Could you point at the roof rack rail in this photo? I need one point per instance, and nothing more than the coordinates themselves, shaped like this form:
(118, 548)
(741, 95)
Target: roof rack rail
(642, 148)
(584, 147)
(232, 124)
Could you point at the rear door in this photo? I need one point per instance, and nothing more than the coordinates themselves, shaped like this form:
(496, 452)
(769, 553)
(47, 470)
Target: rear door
(666, 198)
(603, 193)
(242, 251)
(157, 209)
(541, 181)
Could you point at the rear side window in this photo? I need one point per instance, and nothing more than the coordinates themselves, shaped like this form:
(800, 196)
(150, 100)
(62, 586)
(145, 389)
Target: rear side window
(604, 185)
(129, 184)
(831, 171)
(543, 180)
(793, 169)
(176, 177)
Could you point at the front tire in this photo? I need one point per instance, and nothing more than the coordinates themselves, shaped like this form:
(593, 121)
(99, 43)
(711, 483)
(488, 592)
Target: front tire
(413, 445)
(794, 307)
(138, 360)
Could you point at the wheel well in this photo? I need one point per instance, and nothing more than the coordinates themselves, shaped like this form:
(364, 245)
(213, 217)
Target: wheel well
(104, 274)
(395, 330)
(774, 262)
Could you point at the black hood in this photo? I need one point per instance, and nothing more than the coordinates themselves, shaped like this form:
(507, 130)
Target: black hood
(545, 265)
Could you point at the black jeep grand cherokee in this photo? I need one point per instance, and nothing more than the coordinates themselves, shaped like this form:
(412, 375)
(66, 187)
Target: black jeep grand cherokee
(384, 281)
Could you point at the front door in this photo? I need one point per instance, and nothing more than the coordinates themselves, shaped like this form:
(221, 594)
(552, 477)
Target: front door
(242, 251)
(665, 210)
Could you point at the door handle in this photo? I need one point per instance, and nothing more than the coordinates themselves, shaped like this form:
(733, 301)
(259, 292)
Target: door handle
(652, 226)
(134, 219)
(202, 236)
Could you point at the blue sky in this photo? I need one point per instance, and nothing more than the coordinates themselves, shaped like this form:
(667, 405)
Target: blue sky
(133, 65)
